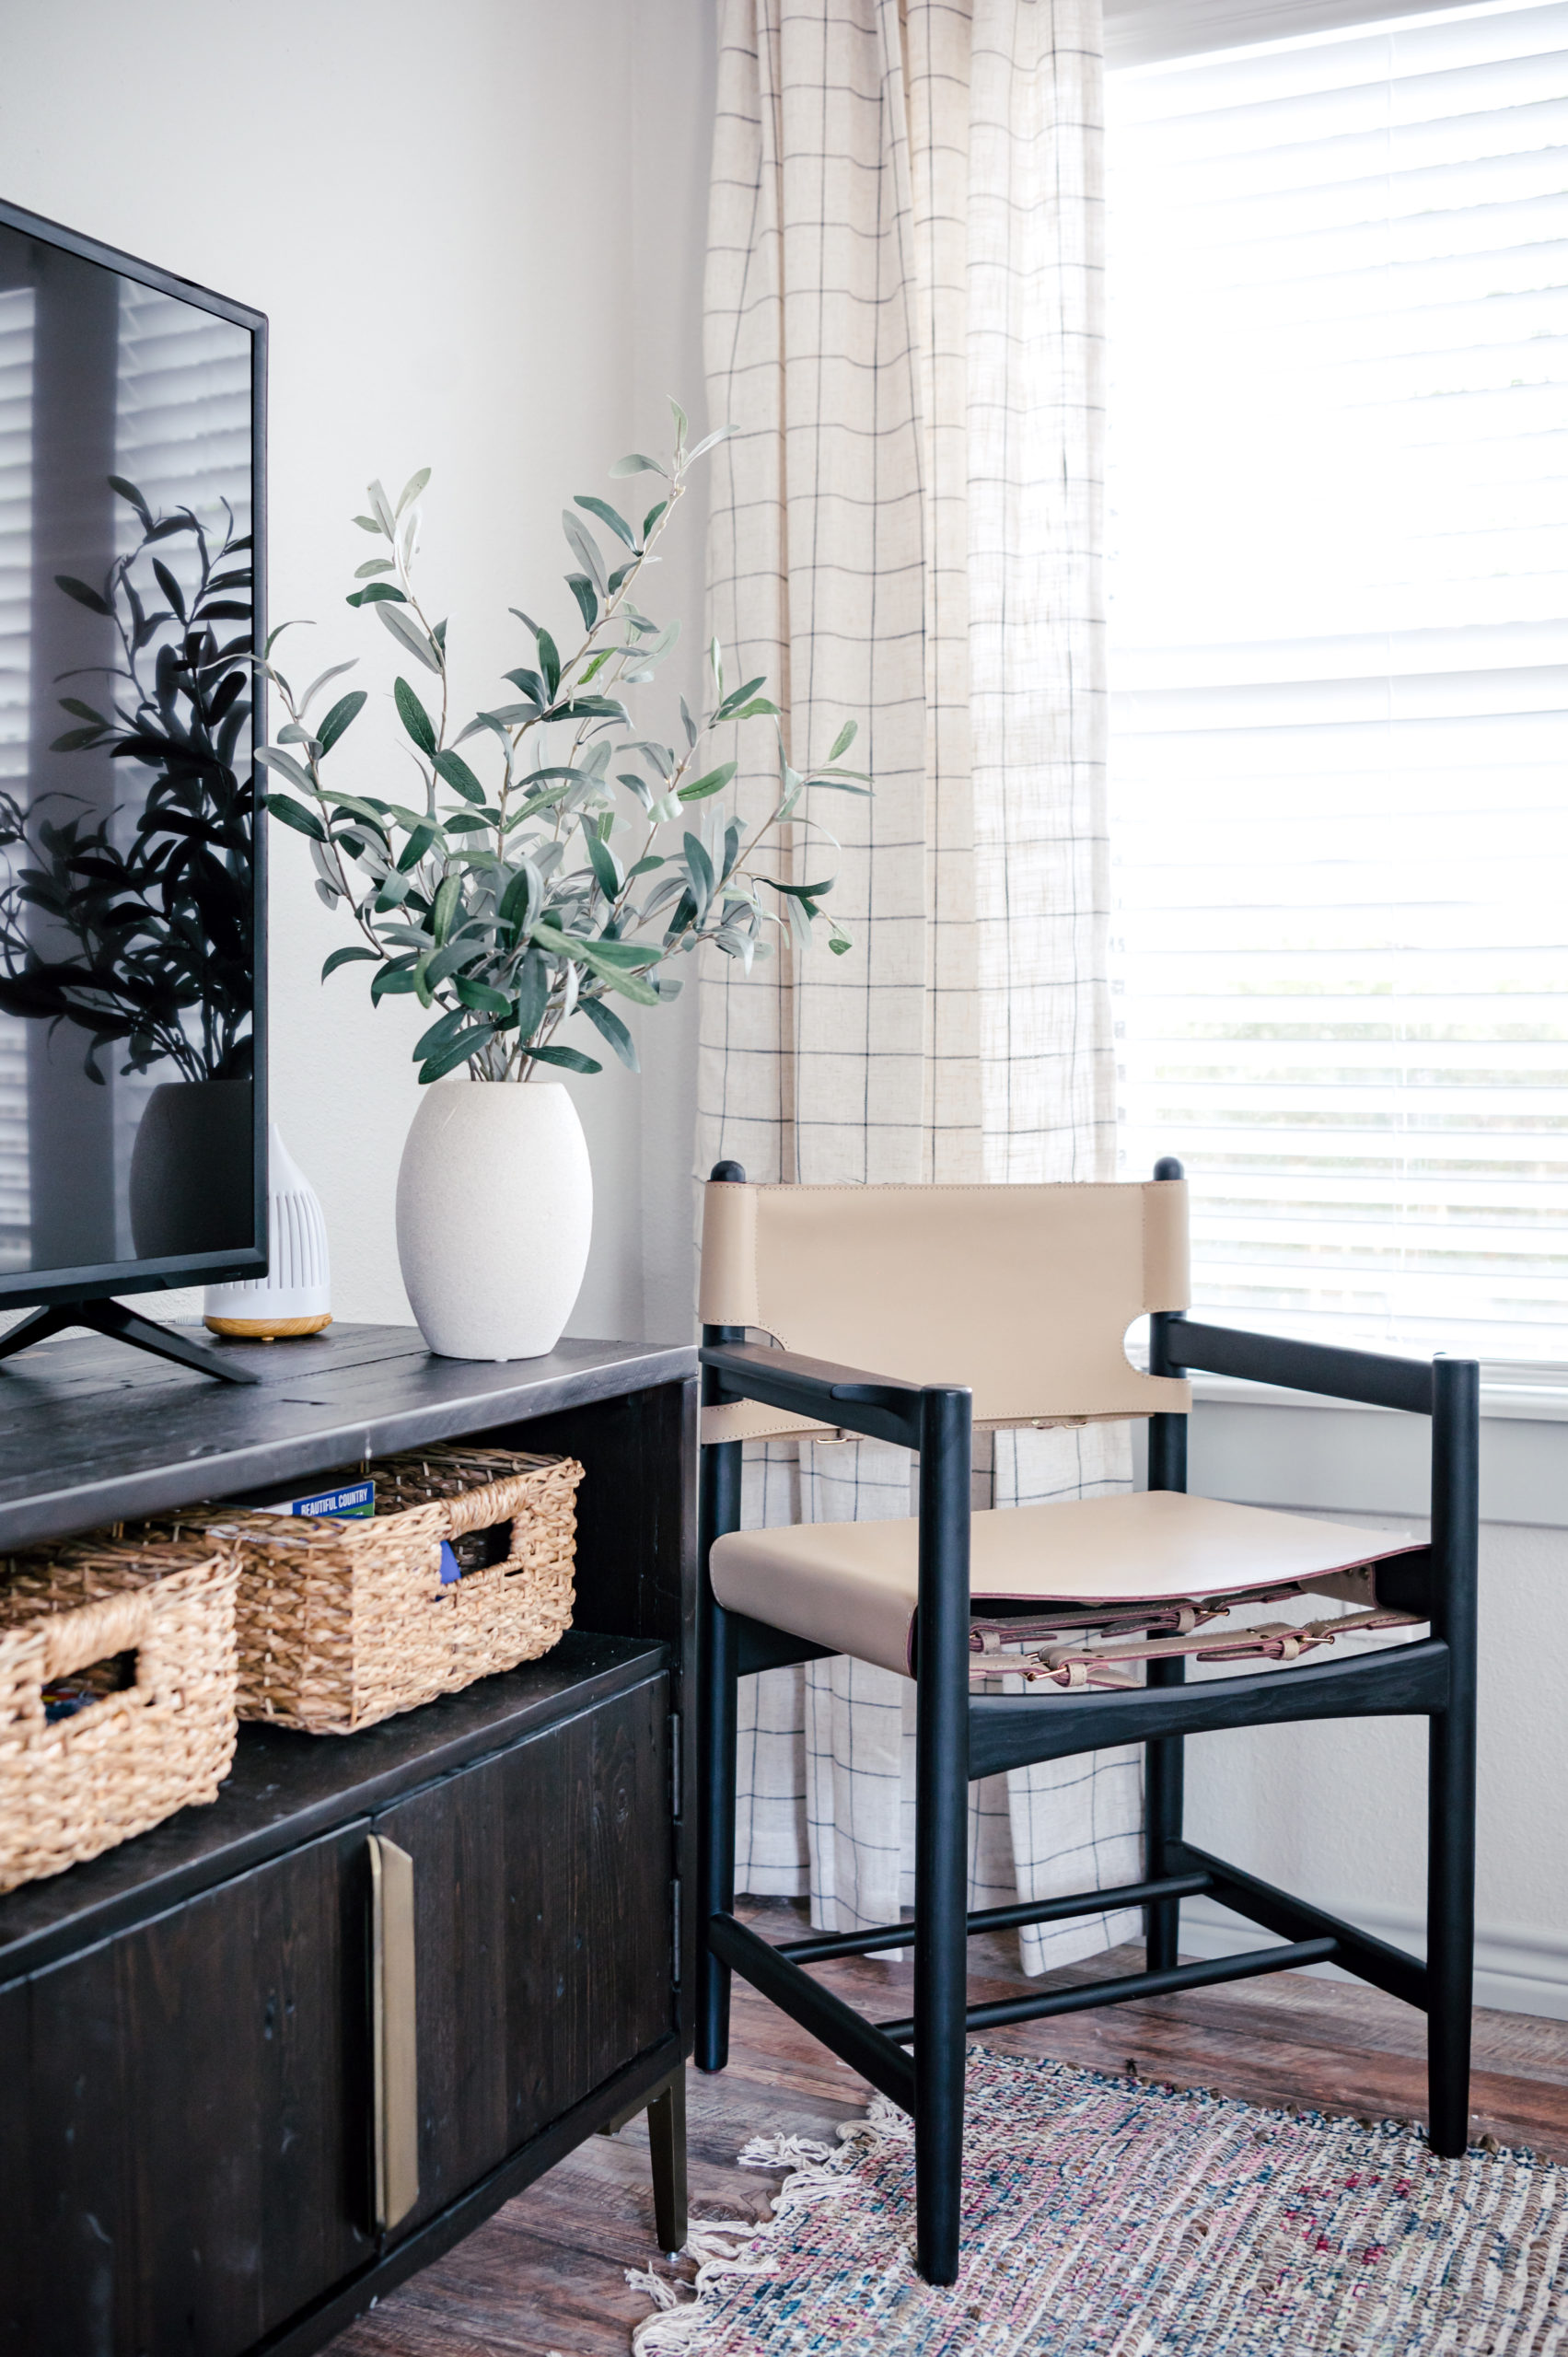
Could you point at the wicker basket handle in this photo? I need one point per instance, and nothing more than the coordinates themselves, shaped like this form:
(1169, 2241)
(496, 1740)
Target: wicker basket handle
(479, 1509)
(89, 1633)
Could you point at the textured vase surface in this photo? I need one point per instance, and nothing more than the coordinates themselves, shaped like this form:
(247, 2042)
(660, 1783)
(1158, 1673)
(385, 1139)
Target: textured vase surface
(494, 1215)
(295, 1296)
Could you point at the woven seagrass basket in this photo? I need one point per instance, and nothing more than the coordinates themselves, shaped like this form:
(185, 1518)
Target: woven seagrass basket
(141, 1634)
(345, 1622)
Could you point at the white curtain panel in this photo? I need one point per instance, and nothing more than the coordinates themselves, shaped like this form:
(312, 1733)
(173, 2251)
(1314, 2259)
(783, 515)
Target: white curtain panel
(903, 315)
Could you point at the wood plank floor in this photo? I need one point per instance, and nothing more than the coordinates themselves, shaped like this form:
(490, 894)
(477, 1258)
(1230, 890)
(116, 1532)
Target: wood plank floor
(546, 2274)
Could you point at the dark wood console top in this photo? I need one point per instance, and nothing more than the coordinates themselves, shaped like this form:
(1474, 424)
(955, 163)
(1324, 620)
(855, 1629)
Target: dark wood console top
(92, 1433)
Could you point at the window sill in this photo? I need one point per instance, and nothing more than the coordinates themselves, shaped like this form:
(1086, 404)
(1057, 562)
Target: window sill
(1531, 1394)
(1294, 1449)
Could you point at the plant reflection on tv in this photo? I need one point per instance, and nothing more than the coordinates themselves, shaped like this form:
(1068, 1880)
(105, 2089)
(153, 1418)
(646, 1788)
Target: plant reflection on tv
(163, 929)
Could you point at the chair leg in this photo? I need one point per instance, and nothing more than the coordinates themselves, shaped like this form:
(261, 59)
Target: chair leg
(667, 2151)
(1450, 1845)
(1162, 1761)
(942, 1835)
(716, 1869)
(718, 1687)
(1450, 1928)
(940, 1995)
(1163, 1783)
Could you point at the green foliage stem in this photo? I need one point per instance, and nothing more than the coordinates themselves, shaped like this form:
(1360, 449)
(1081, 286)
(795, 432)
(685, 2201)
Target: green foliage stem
(591, 859)
(139, 930)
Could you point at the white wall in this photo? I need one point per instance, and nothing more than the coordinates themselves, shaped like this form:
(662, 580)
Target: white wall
(675, 89)
(1337, 1810)
(477, 231)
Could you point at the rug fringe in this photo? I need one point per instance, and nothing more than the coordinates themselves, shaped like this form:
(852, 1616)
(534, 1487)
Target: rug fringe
(678, 2326)
(672, 2325)
(783, 2153)
(684, 2318)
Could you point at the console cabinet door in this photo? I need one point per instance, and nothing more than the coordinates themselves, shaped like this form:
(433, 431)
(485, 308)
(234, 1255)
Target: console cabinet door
(542, 1912)
(189, 2100)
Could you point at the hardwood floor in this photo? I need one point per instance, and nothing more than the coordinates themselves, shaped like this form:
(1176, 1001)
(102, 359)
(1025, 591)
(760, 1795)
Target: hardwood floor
(546, 2273)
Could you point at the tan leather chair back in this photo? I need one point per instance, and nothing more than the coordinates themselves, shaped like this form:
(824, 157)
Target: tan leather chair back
(1024, 1294)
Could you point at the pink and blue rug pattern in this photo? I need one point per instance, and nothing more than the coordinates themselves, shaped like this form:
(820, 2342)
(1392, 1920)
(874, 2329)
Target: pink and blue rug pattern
(1104, 2217)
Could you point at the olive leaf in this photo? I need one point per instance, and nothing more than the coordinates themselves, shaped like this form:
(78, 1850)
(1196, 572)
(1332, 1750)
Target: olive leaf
(560, 862)
(607, 515)
(415, 717)
(147, 945)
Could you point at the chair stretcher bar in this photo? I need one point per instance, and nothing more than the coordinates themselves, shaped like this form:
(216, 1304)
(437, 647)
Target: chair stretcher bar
(1259, 1902)
(872, 2049)
(875, 2048)
(1002, 1918)
(1370, 1959)
(1128, 1987)
(843, 2031)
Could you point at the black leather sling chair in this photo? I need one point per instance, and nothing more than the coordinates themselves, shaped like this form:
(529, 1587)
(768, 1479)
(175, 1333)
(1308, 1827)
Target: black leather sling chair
(914, 1314)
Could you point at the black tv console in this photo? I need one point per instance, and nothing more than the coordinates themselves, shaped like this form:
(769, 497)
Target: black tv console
(191, 2115)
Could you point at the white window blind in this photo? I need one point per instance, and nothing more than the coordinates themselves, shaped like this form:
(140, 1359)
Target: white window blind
(182, 436)
(1339, 664)
(182, 413)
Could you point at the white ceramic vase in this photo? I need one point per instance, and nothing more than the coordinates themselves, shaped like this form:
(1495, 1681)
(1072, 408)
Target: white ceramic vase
(495, 1212)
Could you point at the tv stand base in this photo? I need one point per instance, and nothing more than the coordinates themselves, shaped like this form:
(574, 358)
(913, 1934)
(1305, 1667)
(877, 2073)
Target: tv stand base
(121, 1326)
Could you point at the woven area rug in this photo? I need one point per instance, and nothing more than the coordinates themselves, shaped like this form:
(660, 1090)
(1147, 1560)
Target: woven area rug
(1109, 2218)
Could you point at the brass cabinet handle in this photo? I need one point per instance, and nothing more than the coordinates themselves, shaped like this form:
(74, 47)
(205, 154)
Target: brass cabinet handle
(394, 2048)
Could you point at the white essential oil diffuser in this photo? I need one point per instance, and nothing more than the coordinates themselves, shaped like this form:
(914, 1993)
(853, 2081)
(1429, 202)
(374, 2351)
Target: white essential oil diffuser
(295, 1296)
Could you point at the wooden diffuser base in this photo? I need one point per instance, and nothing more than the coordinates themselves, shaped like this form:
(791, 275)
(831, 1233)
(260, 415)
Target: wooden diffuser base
(268, 1329)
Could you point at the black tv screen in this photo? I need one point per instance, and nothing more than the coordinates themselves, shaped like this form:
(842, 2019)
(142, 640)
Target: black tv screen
(132, 1074)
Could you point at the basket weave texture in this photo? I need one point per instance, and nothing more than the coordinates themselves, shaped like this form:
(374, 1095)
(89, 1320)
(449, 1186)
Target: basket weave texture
(343, 1621)
(123, 1763)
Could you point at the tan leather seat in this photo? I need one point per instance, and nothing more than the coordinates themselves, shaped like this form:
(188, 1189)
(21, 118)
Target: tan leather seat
(853, 1585)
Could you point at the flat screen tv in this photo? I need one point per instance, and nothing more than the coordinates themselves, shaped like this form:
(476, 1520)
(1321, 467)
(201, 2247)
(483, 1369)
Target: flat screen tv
(133, 1113)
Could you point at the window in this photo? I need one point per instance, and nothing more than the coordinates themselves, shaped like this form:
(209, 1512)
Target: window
(1339, 664)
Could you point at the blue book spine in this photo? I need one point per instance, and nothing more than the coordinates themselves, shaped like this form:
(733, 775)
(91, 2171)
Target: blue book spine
(354, 1498)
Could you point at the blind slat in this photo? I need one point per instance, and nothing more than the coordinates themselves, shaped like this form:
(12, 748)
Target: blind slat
(1339, 662)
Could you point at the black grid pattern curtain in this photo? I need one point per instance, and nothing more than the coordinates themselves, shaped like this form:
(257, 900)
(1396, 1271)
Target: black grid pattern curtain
(903, 325)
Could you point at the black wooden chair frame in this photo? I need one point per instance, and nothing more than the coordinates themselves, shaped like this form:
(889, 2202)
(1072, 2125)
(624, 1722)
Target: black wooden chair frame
(961, 1737)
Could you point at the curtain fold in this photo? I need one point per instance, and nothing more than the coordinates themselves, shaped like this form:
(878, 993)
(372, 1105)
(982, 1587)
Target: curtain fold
(903, 328)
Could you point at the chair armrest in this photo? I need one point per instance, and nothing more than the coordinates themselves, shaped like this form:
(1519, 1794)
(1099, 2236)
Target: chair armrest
(879, 1406)
(1366, 1376)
